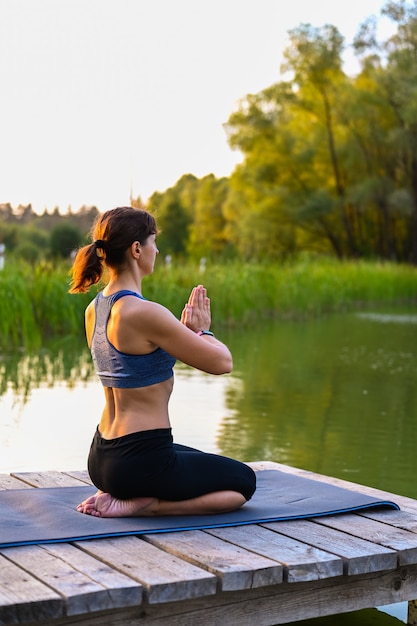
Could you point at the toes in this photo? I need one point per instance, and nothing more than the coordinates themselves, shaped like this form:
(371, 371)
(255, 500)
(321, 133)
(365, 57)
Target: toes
(88, 506)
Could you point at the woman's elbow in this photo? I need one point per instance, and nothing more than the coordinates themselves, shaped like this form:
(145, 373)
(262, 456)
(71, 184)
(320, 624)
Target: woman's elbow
(223, 365)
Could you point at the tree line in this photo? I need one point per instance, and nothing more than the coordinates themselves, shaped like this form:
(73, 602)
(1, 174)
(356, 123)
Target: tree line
(336, 157)
(35, 237)
(329, 160)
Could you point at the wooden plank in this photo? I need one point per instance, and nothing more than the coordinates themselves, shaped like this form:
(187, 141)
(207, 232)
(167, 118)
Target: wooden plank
(76, 577)
(359, 556)
(10, 482)
(114, 588)
(302, 562)
(399, 519)
(402, 541)
(164, 576)
(288, 602)
(279, 604)
(23, 598)
(82, 475)
(235, 567)
(47, 479)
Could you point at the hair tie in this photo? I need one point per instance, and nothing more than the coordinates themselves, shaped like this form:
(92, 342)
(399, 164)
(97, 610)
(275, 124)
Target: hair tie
(99, 243)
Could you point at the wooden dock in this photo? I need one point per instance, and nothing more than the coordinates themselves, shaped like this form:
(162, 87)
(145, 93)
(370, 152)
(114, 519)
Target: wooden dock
(266, 574)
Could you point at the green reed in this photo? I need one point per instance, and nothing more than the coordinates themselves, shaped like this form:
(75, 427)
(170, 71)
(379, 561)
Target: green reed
(243, 293)
(35, 304)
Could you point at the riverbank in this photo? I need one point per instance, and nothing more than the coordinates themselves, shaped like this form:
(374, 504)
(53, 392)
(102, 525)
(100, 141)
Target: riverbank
(36, 304)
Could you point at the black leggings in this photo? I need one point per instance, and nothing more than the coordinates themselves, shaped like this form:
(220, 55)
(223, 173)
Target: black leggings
(149, 463)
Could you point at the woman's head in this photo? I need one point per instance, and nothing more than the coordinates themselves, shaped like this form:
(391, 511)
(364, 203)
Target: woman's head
(114, 232)
(112, 235)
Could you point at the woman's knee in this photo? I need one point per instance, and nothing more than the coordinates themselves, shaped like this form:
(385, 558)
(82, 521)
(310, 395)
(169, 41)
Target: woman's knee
(249, 486)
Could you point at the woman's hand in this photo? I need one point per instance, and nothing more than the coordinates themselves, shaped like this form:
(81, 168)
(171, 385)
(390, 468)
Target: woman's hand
(196, 314)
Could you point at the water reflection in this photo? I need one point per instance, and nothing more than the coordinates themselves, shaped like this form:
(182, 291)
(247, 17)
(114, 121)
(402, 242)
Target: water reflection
(48, 421)
(67, 360)
(335, 395)
(389, 318)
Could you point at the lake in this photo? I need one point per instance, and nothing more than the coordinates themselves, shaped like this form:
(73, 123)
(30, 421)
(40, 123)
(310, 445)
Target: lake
(336, 395)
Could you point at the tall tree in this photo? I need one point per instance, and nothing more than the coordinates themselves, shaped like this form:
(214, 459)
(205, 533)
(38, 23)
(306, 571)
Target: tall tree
(397, 87)
(314, 57)
(207, 232)
(291, 175)
(173, 210)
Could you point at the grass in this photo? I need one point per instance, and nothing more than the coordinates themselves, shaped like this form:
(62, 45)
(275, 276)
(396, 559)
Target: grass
(36, 305)
(243, 293)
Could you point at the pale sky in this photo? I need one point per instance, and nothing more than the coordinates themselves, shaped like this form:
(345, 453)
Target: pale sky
(99, 97)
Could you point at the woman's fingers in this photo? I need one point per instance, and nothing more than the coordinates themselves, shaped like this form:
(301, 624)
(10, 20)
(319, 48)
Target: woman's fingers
(199, 296)
(196, 313)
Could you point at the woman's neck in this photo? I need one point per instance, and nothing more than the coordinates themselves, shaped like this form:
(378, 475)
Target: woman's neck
(125, 280)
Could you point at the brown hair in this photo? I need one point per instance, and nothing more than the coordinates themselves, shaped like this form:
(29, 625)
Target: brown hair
(112, 234)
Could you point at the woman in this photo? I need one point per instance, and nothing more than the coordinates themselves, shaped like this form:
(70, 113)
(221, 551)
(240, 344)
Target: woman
(133, 462)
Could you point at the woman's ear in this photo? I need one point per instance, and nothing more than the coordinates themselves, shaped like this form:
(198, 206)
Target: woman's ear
(135, 249)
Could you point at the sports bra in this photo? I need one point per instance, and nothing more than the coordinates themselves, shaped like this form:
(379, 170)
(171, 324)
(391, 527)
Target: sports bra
(119, 369)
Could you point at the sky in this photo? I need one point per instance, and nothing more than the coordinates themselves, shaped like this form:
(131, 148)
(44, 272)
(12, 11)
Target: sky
(103, 100)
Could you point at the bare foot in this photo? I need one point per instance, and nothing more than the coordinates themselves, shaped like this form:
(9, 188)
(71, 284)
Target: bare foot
(104, 505)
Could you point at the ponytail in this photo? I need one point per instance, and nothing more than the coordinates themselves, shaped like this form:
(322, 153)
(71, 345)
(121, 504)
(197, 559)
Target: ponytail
(87, 269)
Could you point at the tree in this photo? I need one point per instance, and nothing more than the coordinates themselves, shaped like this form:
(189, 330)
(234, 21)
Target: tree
(314, 56)
(173, 211)
(287, 134)
(331, 160)
(396, 85)
(64, 239)
(207, 236)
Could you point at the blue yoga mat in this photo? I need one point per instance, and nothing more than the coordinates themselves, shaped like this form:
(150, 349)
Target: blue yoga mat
(38, 516)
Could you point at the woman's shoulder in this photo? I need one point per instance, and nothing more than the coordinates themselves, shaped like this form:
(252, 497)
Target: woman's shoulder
(148, 309)
(89, 311)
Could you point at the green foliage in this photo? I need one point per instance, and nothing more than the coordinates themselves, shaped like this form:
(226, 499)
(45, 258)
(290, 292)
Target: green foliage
(241, 293)
(31, 245)
(17, 321)
(173, 211)
(9, 235)
(64, 239)
(22, 226)
(28, 251)
(207, 231)
(36, 305)
(332, 155)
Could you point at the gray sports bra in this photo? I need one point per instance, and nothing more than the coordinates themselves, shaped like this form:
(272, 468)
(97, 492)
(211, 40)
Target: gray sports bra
(119, 369)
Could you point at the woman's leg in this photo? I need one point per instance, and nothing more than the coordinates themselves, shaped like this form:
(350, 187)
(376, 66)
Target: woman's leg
(104, 505)
(196, 483)
(197, 473)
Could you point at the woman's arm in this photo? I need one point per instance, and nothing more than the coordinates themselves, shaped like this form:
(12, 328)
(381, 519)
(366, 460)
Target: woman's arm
(181, 339)
(89, 318)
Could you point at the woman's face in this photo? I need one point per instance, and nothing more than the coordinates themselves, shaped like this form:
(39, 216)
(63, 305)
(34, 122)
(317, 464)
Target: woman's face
(149, 251)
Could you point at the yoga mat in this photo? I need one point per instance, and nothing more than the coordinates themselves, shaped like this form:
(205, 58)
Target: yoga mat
(48, 515)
